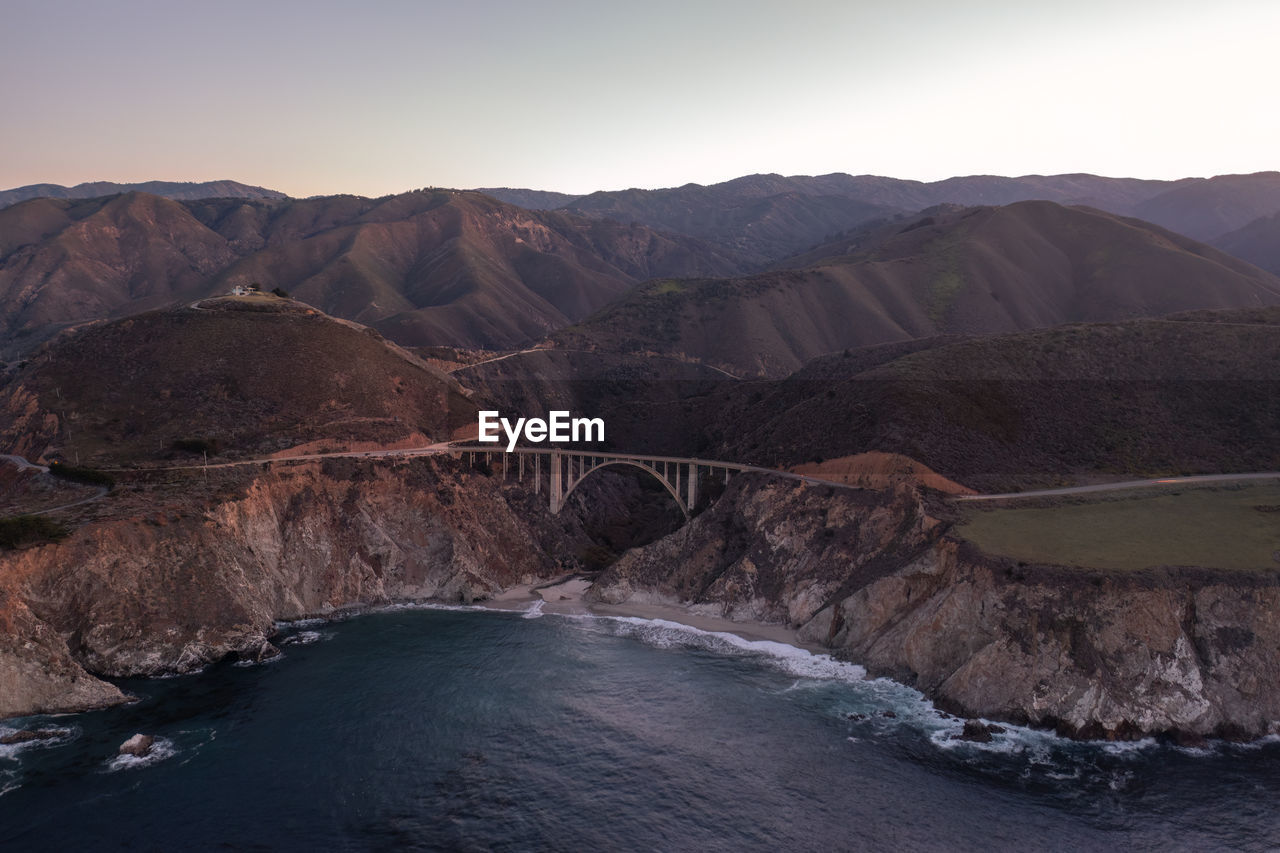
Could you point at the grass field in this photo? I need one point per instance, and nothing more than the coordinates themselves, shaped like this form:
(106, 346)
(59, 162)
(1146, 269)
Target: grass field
(1234, 527)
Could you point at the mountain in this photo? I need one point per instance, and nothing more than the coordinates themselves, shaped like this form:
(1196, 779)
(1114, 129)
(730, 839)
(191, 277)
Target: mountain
(65, 261)
(1207, 208)
(440, 267)
(760, 226)
(182, 190)
(768, 217)
(1258, 243)
(985, 270)
(462, 268)
(1192, 393)
(236, 377)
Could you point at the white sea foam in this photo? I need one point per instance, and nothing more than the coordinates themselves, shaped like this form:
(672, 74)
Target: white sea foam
(535, 609)
(428, 605)
(249, 662)
(160, 750)
(303, 638)
(790, 659)
(10, 751)
(309, 622)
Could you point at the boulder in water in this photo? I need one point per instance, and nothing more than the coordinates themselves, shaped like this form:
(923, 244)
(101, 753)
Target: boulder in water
(27, 735)
(139, 746)
(976, 731)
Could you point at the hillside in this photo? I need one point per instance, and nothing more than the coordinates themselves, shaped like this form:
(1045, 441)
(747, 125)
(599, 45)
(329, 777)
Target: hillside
(246, 377)
(427, 268)
(183, 190)
(759, 226)
(975, 271)
(460, 268)
(1195, 393)
(66, 261)
(1258, 243)
(1209, 208)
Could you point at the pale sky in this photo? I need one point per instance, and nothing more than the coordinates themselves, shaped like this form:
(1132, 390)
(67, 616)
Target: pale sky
(316, 97)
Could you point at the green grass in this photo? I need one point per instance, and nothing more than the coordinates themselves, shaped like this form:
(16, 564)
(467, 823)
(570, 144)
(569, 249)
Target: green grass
(668, 287)
(1212, 527)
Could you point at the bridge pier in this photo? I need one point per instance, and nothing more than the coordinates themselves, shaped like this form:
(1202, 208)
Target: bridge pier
(557, 483)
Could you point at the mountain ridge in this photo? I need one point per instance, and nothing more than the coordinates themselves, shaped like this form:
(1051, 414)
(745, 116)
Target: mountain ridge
(428, 267)
(983, 270)
(180, 190)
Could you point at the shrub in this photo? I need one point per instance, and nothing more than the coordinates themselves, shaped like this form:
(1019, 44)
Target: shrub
(281, 292)
(197, 445)
(25, 529)
(76, 474)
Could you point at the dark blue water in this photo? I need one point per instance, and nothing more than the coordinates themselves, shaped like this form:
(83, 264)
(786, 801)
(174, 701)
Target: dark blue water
(451, 730)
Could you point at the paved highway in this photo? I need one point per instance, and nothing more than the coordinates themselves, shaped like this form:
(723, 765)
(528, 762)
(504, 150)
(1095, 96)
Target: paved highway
(1127, 484)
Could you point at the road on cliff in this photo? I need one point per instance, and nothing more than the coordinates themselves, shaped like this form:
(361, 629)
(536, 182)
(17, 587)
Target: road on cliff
(1127, 484)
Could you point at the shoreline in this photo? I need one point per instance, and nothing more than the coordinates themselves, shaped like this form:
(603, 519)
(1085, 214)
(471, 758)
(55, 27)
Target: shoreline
(565, 596)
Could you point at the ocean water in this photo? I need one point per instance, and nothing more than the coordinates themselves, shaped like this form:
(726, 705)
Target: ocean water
(459, 729)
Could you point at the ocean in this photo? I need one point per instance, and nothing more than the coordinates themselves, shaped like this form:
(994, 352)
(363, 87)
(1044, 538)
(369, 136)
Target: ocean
(422, 728)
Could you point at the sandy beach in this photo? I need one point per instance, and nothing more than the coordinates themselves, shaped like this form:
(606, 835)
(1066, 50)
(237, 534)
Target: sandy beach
(565, 595)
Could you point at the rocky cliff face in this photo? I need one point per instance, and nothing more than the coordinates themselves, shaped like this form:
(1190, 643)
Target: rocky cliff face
(172, 592)
(875, 576)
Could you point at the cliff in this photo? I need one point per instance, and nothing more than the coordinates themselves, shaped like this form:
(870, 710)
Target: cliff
(168, 579)
(877, 577)
(178, 588)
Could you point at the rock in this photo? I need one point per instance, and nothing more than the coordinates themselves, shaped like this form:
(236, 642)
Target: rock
(1189, 739)
(27, 735)
(857, 717)
(139, 746)
(975, 731)
(262, 652)
(890, 714)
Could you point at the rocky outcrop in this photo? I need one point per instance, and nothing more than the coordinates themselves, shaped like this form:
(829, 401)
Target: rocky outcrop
(161, 594)
(875, 577)
(31, 735)
(139, 746)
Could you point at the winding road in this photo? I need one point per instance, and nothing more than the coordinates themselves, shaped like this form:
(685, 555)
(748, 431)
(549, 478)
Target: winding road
(447, 447)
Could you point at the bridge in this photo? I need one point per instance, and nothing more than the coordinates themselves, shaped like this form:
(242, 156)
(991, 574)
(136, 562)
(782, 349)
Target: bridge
(564, 470)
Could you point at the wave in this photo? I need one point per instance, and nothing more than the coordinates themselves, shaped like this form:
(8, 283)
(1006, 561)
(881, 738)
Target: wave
(11, 751)
(304, 638)
(878, 703)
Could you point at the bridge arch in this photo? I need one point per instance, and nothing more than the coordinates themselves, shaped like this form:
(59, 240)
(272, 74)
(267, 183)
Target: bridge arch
(655, 473)
(562, 471)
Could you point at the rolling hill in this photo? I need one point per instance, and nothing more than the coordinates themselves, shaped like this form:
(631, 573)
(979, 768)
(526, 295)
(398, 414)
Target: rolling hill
(972, 271)
(1193, 393)
(239, 377)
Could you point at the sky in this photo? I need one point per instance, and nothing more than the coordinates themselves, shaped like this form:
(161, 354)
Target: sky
(321, 97)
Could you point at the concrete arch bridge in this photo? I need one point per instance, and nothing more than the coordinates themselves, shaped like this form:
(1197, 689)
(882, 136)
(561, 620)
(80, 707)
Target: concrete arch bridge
(560, 472)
